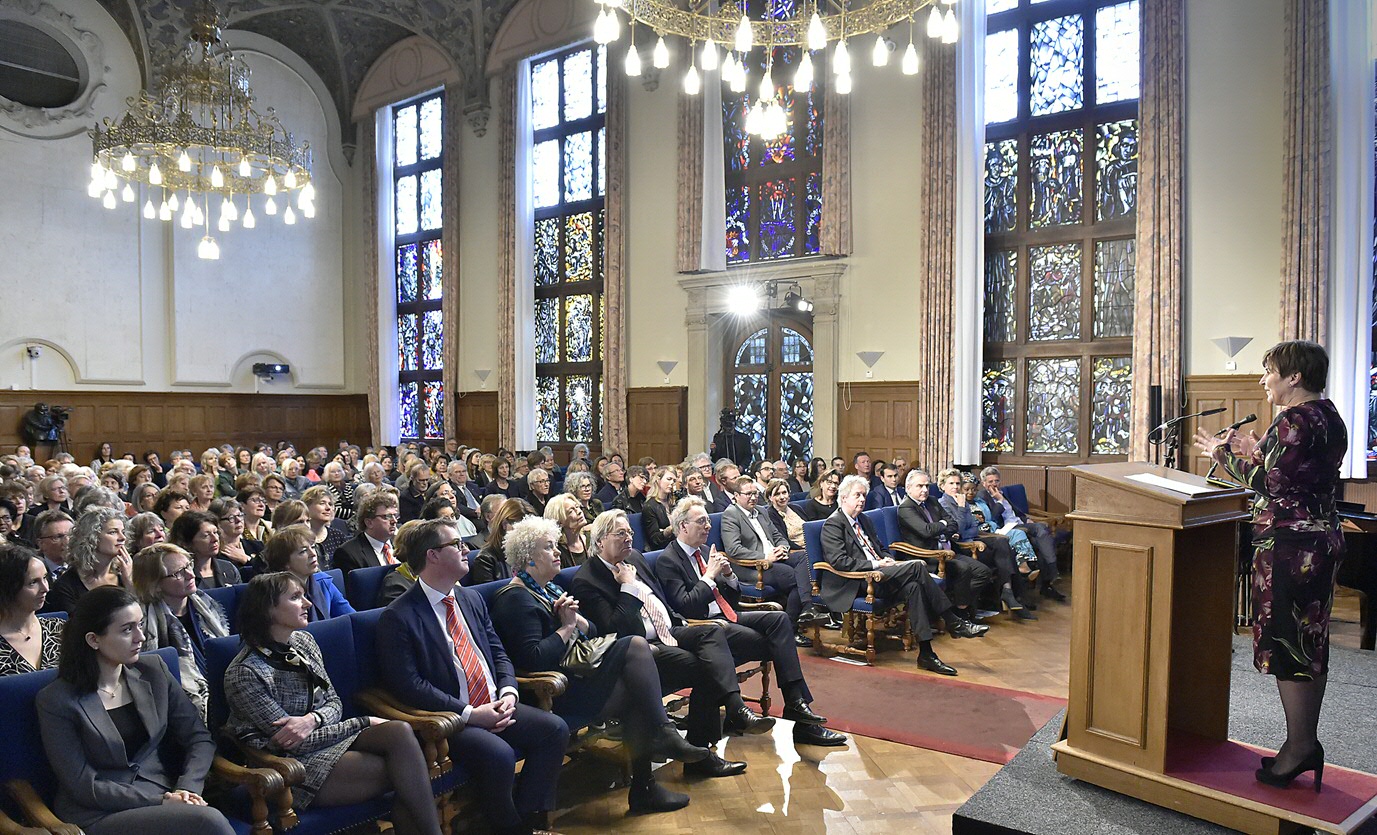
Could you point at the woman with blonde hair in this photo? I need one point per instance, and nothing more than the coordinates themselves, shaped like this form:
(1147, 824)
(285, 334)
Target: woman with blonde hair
(202, 490)
(329, 532)
(581, 486)
(178, 614)
(96, 556)
(574, 542)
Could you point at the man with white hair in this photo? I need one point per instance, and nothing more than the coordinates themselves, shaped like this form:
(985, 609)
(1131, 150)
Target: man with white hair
(1038, 534)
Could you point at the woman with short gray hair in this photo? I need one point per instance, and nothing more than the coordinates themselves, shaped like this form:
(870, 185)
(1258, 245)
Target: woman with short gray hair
(582, 485)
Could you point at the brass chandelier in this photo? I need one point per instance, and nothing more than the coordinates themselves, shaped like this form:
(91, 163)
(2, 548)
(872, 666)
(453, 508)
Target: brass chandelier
(198, 139)
(813, 25)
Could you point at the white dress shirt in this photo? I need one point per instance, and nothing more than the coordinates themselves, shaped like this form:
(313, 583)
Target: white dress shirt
(766, 546)
(378, 551)
(646, 622)
(866, 546)
(437, 604)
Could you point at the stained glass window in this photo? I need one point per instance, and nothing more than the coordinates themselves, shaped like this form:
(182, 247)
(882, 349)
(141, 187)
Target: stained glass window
(1053, 405)
(778, 217)
(418, 215)
(796, 415)
(568, 178)
(1111, 384)
(813, 204)
(738, 224)
(1061, 192)
(752, 350)
(751, 396)
(795, 348)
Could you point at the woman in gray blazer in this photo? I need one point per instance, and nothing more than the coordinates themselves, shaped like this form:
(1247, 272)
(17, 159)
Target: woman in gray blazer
(105, 721)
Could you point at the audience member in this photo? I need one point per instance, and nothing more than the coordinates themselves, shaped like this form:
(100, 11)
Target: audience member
(170, 504)
(295, 483)
(143, 497)
(887, 493)
(798, 480)
(233, 546)
(143, 530)
(491, 563)
(1039, 534)
(783, 516)
(614, 479)
(292, 549)
(329, 532)
(341, 488)
(52, 495)
(573, 542)
(631, 496)
(537, 491)
(501, 482)
(376, 523)
(27, 642)
(202, 491)
(288, 513)
(253, 501)
(98, 558)
(274, 491)
(177, 614)
(580, 486)
(937, 524)
(654, 511)
(199, 535)
(822, 499)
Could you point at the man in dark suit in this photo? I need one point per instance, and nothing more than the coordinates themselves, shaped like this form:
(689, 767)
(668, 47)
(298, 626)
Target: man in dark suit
(849, 544)
(619, 593)
(377, 523)
(1038, 534)
(700, 584)
(998, 555)
(414, 496)
(748, 535)
(437, 650)
(704, 487)
(887, 493)
(466, 502)
(924, 522)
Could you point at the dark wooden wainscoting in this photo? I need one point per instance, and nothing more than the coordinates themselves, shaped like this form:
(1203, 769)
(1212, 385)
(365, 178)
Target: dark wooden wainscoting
(477, 419)
(657, 424)
(880, 418)
(1239, 393)
(134, 421)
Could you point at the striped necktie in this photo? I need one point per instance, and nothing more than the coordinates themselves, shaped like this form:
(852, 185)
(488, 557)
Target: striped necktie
(467, 655)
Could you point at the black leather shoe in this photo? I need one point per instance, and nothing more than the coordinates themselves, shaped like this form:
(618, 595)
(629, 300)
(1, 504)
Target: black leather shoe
(812, 613)
(1052, 594)
(669, 745)
(799, 711)
(1023, 614)
(714, 766)
(833, 622)
(817, 735)
(746, 721)
(650, 797)
(966, 629)
(802, 641)
(933, 664)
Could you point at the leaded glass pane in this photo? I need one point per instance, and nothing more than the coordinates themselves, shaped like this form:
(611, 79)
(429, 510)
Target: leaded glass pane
(578, 166)
(796, 415)
(578, 247)
(737, 154)
(578, 85)
(432, 271)
(752, 350)
(794, 348)
(813, 206)
(547, 409)
(1054, 405)
(432, 200)
(546, 251)
(751, 393)
(738, 224)
(1116, 53)
(409, 409)
(435, 409)
(406, 273)
(545, 173)
(602, 79)
(545, 95)
(1057, 55)
(578, 328)
(812, 143)
(1001, 186)
(1111, 383)
(1001, 269)
(433, 341)
(1055, 171)
(995, 6)
(602, 161)
(547, 339)
(405, 207)
(1116, 169)
(432, 128)
(777, 218)
(404, 136)
(781, 149)
(1001, 76)
(578, 416)
(1114, 271)
(997, 406)
(1054, 292)
(408, 334)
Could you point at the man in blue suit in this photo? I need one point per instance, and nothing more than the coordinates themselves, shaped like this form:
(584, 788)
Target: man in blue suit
(887, 492)
(437, 650)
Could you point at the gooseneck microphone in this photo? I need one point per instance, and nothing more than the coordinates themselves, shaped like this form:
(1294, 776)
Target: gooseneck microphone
(1236, 424)
(1156, 433)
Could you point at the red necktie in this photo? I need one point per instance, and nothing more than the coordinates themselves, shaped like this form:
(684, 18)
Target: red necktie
(865, 541)
(388, 559)
(727, 611)
(467, 655)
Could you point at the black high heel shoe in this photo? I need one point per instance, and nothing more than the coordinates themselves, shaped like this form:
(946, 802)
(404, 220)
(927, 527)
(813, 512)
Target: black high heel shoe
(1314, 762)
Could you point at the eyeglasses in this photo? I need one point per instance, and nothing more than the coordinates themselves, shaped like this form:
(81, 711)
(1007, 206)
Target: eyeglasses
(237, 517)
(57, 536)
(391, 517)
(455, 543)
(750, 494)
(703, 520)
(624, 533)
(184, 574)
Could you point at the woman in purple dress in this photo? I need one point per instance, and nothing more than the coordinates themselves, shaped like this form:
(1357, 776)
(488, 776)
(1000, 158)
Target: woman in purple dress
(1294, 472)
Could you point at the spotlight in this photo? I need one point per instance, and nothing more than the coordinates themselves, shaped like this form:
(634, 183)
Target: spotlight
(743, 299)
(794, 299)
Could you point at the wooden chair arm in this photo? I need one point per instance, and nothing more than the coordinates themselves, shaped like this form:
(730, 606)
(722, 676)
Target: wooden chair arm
(543, 688)
(262, 784)
(1046, 517)
(924, 553)
(428, 724)
(758, 565)
(974, 546)
(764, 606)
(292, 771)
(872, 576)
(36, 811)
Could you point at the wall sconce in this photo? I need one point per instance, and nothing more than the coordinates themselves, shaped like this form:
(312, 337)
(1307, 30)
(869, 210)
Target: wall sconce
(482, 375)
(1231, 345)
(667, 366)
(869, 358)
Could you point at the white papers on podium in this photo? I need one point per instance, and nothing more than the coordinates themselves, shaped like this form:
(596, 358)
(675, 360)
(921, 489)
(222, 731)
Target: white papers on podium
(1167, 484)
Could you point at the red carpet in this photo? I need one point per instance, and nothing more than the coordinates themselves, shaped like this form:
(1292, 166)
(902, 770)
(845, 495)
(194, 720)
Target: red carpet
(1229, 766)
(924, 710)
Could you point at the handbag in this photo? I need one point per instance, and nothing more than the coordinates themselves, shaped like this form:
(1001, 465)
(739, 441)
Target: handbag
(585, 654)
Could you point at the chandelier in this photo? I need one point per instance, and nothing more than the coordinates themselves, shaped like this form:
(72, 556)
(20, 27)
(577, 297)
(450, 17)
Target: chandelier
(199, 139)
(798, 23)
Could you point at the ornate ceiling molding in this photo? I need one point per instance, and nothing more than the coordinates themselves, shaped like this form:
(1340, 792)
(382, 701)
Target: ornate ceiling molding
(88, 51)
(408, 68)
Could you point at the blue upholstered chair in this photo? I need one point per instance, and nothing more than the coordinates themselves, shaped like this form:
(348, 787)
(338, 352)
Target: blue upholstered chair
(637, 535)
(873, 611)
(228, 597)
(361, 586)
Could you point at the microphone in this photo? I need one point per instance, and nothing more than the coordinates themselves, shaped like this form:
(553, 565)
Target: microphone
(1169, 424)
(1236, 424)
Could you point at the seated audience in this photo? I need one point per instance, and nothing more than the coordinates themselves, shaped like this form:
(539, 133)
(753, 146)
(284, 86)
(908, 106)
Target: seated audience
(143, 497)
(97, 556)
(466, 502)
(8, 514)
(27, 642)
(614, 479)
(202, 490)
(330, 533)
(437, 650)
(1013, 570)
(797, 480)
(537, 491)
(293, 549)
(659, 499)
(1039, 534)
(110, 724)
(491, 563)
(702, 585)
(224, 479)
(198, 534)
(274, 491)
(288, 513)
(926, 522)
(822, 499)
(573, 543)
(763, 474)
(402, 577)
(177, 614)
(849, 544)
(501, 479)
(887, 493)
(233, 546)
(341, 488)
(377, 524)
(539, 624)
(170, 504)
(295, 483)
(581, 487)
(281, 700)
(254, 503)
(631, 497)
(144, 530)
(52, 495)
(783, 516)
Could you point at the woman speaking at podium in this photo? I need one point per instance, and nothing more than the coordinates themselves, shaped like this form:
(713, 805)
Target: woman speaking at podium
(1297, 543)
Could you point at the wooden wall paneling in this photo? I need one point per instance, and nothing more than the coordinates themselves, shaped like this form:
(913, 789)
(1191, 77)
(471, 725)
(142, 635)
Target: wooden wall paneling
(880, 418)
(1060, 496)
(1240, 394)
(477, 419)
(1363, 492)
(657, 424)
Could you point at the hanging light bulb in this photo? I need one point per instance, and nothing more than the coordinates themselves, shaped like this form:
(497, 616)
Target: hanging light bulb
(165, 212)
(249, 221)
(155, 175)
(909, 64)
(710, 55)
(127, 195)
(600, 27)
(738, 82)
(270, 206)
(879, 56)
(96, 188)
(633, 61)
(270, 186)
(148, 211)
(112, 180)
(659, 57)
(841, 59)
(935, 23)
(127, 163)
(245, 169)
(692, 83)
(289, 216)
(224, 224)
(803, 76)
(308, 209)
(817, 33)
(191, 203)
(614, 24)
(951, 29)
(208, 249)
(308, 191)
(173, 203)
(187, 220)
(744, 36)
(767, 86)
(729, 67)
(844, 83)
(217, 180)
(290, 180)
(97, 172)
(227, 209)
(184, 162)
(109, 201)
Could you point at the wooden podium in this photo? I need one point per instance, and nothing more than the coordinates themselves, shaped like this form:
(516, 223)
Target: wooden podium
(1150, 647)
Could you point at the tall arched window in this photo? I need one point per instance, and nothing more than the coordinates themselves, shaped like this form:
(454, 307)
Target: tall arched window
(770, 376)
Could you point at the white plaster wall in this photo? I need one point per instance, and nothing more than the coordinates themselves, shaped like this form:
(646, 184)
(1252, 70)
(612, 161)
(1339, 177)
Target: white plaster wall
(1234, 136)
(479, 225)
